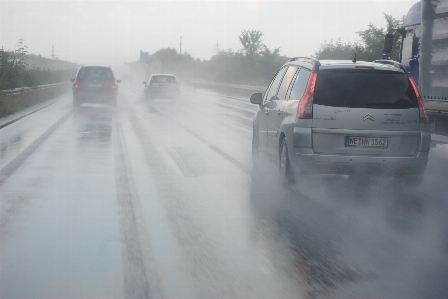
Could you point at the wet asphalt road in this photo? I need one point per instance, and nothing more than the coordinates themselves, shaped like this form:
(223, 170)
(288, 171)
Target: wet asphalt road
(158, 199)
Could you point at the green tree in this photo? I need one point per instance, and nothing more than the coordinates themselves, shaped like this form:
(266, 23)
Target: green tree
(251, 41)
(370, 47)
(21, 53)
(338, 50)
(168, 57)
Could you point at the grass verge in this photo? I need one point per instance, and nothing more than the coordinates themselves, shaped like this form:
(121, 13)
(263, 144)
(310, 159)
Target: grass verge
(12, 103)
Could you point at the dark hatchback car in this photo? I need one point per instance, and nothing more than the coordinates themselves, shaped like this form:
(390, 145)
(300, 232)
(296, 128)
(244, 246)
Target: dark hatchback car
(95, 84)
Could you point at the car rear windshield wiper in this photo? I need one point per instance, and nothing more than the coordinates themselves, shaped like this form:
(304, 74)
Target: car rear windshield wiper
(399, 103)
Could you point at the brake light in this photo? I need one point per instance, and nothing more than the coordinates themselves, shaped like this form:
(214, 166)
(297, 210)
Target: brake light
(305, 110)
(113, 86)
(421, 106)
(76, 85)
(175, 80)
(151, 80)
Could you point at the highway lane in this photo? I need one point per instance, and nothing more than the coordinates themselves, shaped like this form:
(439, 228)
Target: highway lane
(157, 199)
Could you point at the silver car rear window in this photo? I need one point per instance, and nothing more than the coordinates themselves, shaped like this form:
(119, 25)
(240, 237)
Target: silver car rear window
(364, 88)
(163, 79)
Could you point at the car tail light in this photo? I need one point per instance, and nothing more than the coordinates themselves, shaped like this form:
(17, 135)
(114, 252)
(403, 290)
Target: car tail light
(306, 104)
(76, 85)
(175, 80)
(109, 85)
(421, 105)
(151, 80)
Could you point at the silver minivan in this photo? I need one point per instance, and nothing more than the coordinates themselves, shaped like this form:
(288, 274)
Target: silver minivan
(342, 117)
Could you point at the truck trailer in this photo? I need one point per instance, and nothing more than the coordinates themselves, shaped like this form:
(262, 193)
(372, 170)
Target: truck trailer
(424, 54)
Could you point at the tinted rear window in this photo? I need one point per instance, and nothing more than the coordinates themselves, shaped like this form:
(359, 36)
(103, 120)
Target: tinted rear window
(102, 74)
(361, 88)
(163, 79)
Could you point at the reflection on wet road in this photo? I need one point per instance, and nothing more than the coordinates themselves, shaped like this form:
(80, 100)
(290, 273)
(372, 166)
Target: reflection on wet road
(158, 199)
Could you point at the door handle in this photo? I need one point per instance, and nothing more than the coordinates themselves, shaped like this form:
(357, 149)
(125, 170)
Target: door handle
(266, 112)
(279, 112)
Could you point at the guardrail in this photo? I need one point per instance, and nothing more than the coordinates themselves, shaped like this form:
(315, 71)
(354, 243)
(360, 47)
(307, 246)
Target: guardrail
(433, 106)
(436, 106)
(28, 89)
(235, 86)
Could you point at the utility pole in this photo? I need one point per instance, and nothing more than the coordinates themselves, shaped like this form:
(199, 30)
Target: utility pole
(52, 52)
(216, 47)
(180, 48)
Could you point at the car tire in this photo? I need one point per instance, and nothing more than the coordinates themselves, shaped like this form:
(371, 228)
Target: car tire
(414, 180)
(284, 164)
(114, 103)
(76, 103)
(255, 153)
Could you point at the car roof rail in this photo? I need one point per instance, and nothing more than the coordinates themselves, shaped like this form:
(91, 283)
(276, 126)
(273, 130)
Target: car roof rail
(390, 62)
(311, 60)
(386, 61)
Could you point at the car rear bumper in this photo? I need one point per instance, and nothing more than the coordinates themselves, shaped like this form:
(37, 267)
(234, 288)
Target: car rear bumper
(303, 157)
(164, 90)
(83, 97)
(302, 160)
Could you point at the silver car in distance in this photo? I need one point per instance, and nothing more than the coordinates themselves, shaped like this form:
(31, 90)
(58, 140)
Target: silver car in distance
(161, 85)
(342, 117)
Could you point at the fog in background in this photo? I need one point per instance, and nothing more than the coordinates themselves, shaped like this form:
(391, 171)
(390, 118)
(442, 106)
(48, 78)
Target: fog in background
(113, 32)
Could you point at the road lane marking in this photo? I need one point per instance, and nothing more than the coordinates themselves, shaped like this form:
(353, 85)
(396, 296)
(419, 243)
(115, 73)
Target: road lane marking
(28, 114)
(211, 146)
(179, 162)
(136, 284)
(12, 166)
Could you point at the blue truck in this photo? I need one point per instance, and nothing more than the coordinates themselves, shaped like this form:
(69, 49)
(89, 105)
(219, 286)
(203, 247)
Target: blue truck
(424, 54)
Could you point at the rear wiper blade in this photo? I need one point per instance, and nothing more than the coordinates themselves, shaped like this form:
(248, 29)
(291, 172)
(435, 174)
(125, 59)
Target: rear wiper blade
(381, 104)
(401, 104)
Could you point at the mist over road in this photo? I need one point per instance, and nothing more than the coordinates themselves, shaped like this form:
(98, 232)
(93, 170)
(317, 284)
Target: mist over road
(158, 199)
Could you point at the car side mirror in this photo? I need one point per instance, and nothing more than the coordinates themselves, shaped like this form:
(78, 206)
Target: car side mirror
(388, 42)
(118, 81)
(72, 80)
(256, 98)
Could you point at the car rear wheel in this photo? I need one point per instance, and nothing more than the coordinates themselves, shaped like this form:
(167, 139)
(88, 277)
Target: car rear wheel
(76, 103)
(284, 164)
(255, 154)
(414, 180)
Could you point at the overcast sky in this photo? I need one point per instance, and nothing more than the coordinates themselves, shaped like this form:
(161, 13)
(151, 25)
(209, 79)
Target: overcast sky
(113, 32)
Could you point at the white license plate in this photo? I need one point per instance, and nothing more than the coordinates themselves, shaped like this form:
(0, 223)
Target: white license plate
(95, 85)
(356, 141)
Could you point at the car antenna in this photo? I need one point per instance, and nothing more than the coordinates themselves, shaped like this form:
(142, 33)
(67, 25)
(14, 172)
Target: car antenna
(354, 59)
